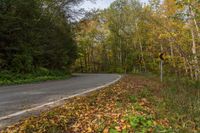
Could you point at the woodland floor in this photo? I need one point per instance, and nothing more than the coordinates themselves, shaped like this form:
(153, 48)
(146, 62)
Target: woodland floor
(129, 106)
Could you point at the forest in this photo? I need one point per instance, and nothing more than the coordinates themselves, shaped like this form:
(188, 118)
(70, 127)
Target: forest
(36, 40)
(44, 40)
(42, 37)
(130, 37)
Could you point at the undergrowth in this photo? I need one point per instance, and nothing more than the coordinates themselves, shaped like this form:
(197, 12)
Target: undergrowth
(42, 74)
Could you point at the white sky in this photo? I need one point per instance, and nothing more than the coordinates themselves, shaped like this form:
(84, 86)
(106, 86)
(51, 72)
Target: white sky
(100, 4)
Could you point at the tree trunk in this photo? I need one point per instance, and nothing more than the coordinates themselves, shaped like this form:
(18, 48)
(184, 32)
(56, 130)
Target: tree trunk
(194, 52)
(195, 60)
(194, 20)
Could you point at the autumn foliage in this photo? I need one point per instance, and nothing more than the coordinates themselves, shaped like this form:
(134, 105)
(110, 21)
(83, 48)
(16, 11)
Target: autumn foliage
(111, 110)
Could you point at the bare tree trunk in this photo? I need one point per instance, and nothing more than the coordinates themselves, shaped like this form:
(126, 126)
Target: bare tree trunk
(93, 60)
(81, 64)
(195, 60)
(85, 62)
(142, 56)
(172, 57)
(141, 50)
(185, 67)
(194, 20)
(191, 72)
(194, 52)
(121, 51)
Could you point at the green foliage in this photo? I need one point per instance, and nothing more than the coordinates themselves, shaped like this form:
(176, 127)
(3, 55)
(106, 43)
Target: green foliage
(113, 131)
(33, 36)
(119, 70)
(144, 93)
(22, 63)
(144, 124)
(133, 98)
(43, 74)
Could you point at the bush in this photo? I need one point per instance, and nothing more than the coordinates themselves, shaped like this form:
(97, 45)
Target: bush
(120, 70)
(22, 63)
(42, 71)
(42, 74)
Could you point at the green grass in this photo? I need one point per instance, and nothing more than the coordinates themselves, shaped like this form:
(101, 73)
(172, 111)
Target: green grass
(11, 78)
(178, 100)
(182, 99)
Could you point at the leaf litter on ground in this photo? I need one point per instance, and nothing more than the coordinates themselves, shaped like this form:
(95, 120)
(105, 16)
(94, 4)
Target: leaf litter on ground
(113, 109)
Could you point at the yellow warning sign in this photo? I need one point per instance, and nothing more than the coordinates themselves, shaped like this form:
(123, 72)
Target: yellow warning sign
(162, 56)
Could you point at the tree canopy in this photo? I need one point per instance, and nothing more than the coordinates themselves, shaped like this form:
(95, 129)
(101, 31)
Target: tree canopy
(127, 37)
(130, 36)
(36, 34)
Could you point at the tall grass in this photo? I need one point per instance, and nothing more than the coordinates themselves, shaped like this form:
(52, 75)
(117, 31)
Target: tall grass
(182, 100)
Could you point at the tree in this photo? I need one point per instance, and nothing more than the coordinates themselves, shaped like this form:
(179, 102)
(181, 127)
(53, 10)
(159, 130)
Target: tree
(135, 35)
(36, 34)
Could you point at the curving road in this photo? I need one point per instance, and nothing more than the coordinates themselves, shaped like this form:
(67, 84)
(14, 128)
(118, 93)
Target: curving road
(15, 100)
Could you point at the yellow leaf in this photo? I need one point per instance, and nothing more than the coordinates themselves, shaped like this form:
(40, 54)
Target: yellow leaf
(106, 130)
(89, 129)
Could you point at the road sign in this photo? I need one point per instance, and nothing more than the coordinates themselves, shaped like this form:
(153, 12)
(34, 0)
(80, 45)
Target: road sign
(162, 56)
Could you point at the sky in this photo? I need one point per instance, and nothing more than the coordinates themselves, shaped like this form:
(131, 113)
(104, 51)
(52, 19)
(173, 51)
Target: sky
(100, 4)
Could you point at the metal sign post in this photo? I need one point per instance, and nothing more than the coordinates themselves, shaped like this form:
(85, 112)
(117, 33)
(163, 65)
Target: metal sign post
(161, 70)
(161, 66)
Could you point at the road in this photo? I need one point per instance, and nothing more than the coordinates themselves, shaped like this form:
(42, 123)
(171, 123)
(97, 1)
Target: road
(18, 99)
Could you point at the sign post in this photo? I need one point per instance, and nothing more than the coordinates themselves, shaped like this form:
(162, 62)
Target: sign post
(161, 70)
(161, 66)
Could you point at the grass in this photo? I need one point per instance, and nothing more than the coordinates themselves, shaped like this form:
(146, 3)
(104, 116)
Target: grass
(11, 78)
(178, 100)
(136, 104)
(182, 99)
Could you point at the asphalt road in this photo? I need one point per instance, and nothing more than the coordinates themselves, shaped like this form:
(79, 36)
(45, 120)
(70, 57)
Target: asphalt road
(21, 97)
